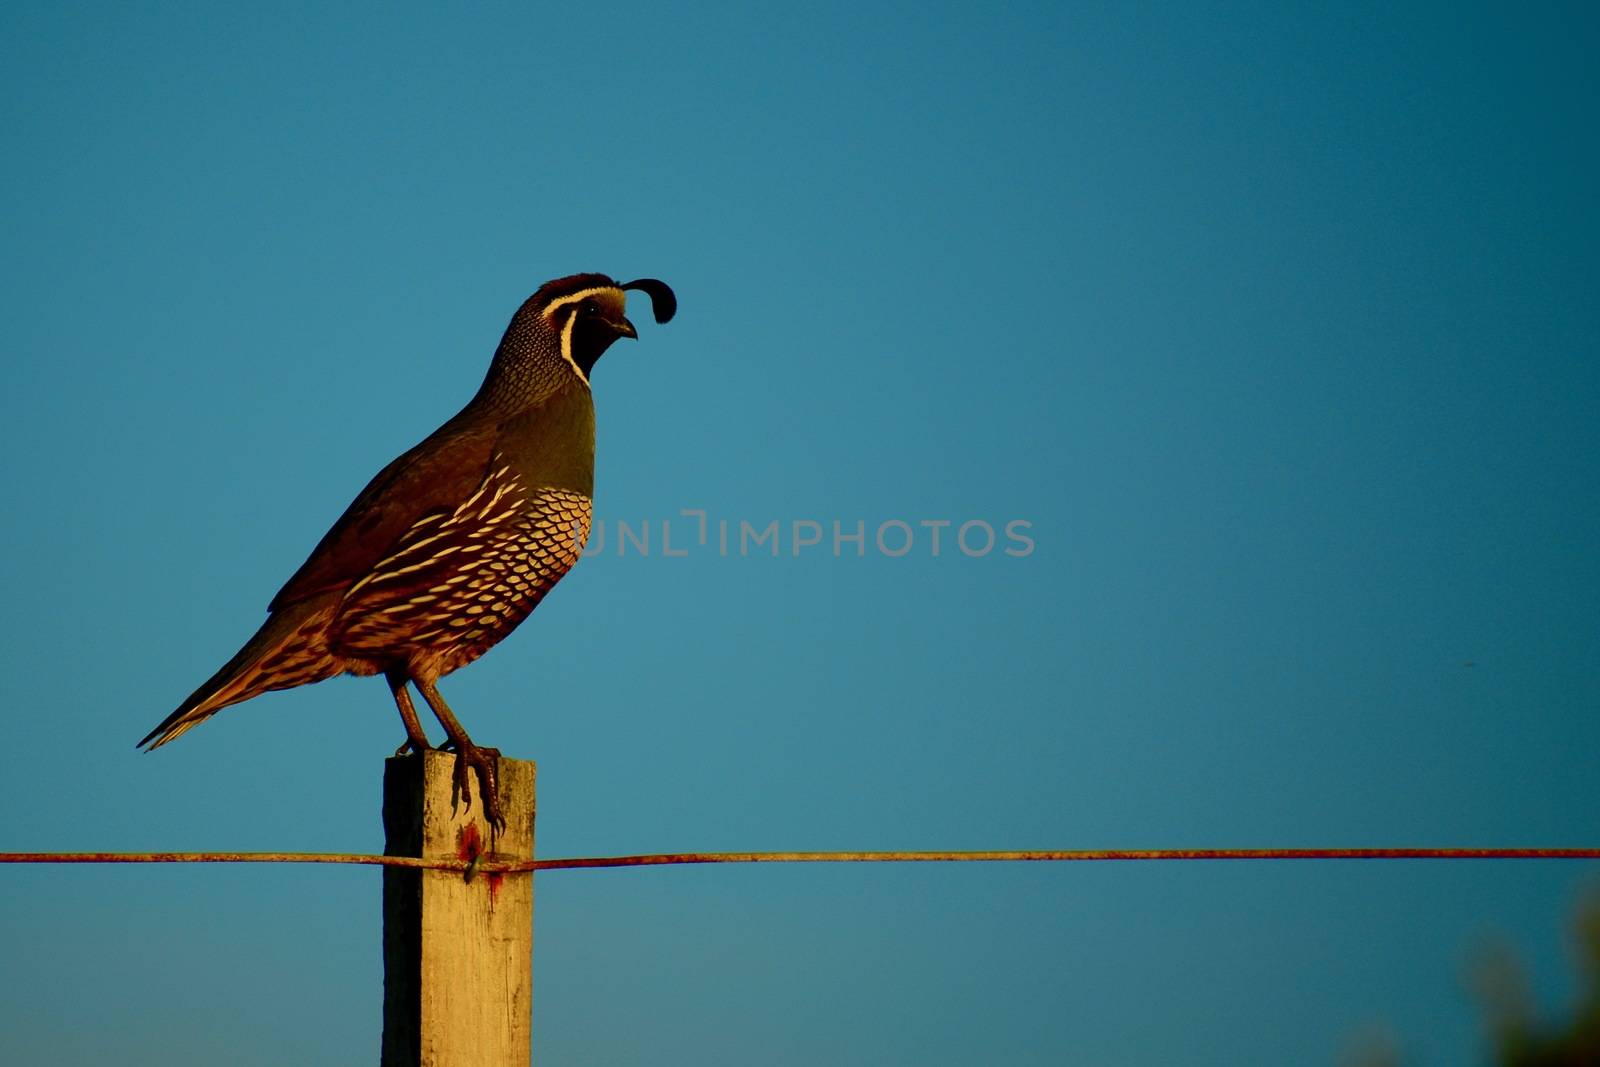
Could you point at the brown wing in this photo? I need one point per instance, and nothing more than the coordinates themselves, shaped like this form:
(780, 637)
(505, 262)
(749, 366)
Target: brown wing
(436, 475)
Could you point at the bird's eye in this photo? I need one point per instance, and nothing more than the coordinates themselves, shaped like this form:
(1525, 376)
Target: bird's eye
(589, 307)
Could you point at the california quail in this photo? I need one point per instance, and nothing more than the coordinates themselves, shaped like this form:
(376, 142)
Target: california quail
(456, 541)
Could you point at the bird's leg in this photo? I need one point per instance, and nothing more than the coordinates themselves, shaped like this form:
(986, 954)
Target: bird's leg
(482, 761)
(416, 740)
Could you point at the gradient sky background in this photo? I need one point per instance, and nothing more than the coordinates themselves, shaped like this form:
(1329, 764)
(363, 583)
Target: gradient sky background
(1279, 327)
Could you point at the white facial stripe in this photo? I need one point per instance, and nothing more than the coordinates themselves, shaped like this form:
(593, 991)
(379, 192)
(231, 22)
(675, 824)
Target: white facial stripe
(582, 294)
(566, 338)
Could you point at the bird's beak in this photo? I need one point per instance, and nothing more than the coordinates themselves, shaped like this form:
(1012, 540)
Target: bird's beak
(625, 328)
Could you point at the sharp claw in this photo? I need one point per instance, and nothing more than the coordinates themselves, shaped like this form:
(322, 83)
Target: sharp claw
(472, 761)
(463, 782)
(412, 744)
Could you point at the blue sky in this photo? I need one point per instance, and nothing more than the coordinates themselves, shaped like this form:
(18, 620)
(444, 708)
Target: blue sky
(1275, 325)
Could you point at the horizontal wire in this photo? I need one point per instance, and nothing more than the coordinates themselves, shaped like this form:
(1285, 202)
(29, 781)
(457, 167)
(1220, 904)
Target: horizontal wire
(489, 865)
(1072, 855)
(441, 863)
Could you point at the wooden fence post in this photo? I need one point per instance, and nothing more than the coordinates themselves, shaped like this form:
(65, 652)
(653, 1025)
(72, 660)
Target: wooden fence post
(457, 954)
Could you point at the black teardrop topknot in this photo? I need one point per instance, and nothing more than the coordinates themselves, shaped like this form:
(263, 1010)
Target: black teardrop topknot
(662, 300)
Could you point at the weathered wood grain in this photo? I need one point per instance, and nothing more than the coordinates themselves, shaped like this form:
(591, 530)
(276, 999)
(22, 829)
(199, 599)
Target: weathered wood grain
(457, 953)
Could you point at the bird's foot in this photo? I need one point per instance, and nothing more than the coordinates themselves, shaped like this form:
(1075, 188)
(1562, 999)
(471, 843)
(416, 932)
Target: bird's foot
(412, 744)
(483, 762)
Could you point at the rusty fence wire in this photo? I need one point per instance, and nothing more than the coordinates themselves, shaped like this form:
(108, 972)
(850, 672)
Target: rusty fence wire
(490, 865)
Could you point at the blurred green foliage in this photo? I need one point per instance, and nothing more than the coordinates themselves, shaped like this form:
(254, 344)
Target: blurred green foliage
(1517, 1034)
(1519, 1037)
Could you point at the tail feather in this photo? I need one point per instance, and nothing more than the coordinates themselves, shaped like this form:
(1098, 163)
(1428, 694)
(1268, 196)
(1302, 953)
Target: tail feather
(290, 649)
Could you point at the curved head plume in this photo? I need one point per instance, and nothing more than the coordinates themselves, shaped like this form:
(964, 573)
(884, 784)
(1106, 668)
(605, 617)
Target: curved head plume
(662, 301)
(566, 326)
